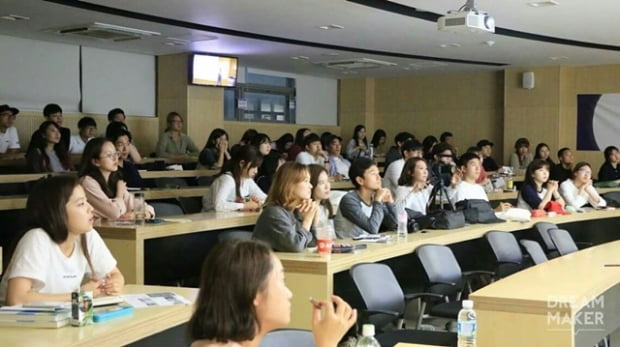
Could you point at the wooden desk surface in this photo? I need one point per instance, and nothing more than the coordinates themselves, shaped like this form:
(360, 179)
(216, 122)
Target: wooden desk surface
(117, 332)
(342, 185)
(568, 301)
(313, 263)
(177, 173)
(17, 202)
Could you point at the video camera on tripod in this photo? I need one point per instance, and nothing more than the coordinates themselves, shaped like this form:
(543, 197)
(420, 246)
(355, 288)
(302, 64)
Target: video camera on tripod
(441, 174)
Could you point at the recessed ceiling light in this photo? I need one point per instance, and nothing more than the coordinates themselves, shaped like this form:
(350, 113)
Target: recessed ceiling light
(300, 57)
(15, 17)
(558, 58)
(175, 43)
(448, 45)
(331, 54)
(330, 27)
(547, 3)
(349, 72)
(489, 43)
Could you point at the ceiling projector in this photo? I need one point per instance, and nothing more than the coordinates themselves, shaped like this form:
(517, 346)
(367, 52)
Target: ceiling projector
(466, 20)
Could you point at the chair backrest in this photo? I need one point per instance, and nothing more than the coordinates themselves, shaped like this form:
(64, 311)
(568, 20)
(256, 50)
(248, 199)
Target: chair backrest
(439, 264)
(190, 204)
(234, 235)
(507, 252)
(163, 209)
(535, 251)
(288, 337)
(563, 241)
(379, 289)
(543, 231)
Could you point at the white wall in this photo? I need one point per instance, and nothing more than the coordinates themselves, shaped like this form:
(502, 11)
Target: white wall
(317, 97)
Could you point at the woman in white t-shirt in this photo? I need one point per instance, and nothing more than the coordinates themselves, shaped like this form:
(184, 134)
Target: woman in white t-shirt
(234, 189)
(413, 190)
(320, 191)
(49, 261)
(578, 190)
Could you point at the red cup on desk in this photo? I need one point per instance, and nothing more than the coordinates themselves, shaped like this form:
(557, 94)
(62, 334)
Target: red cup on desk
(324, 238)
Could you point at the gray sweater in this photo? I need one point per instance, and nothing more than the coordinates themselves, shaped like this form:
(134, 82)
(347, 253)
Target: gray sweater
(355, 217)
(282, 230)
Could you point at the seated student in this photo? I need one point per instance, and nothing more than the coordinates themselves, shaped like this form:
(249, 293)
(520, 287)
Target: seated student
(367, 209)
(298, 145)
(464, 186)
(130, 174)
(100, 178)
(610, 170)
(320, 192)
(60, 251)
(394, 153)
(410, 149)
(413, 190)
(114, 126)
(448, 138)
(564, 169)
(521, 158)
(543, 152)
(246, 138)
(234, 188)
(215, 152)
(88, 130)
(578, 191)
(358, 145)
(272, 160)
(53, 112)
(488, 163)
(429, 144)
(9, 139)
(378, 143)
(537, 189)
(47, 153)
(117, 115)
(243, 296)
(283, 144)
(289, 215)
(173, 143)
(338, 165)
(313, 152)
(483, 178)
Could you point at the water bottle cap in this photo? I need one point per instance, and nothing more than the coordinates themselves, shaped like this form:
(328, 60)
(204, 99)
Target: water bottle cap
(468, 304)
(368, 330)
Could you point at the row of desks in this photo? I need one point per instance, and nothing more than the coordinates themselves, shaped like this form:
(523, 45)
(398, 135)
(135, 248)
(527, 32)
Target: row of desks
(307, 273)
(23, 178)
(142, 323)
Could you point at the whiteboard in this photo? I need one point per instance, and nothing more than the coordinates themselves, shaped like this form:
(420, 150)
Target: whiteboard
(117, 79)
(36, 73)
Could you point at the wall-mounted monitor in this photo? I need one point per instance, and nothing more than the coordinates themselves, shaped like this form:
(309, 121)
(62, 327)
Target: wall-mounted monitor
(212, 70)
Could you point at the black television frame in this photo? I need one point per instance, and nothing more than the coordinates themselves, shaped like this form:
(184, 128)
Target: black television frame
(190, 70)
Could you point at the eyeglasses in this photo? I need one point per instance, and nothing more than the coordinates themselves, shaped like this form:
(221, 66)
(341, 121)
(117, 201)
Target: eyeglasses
(586, 172)
(111, 156)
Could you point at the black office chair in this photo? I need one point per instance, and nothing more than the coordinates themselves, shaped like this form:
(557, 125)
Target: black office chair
(543, 233)
(563, 242)
(445, 279)
(162, 264)
(163, 209)
(533, 249)
(190, 204)
(507, 252)
(386, 303)
(288, 337)
(234, 235)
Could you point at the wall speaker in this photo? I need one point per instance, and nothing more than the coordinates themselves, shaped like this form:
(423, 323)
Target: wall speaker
(527, 81)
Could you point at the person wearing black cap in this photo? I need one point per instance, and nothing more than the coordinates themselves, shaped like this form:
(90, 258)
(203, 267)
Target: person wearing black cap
(488, 163)
(9, 140)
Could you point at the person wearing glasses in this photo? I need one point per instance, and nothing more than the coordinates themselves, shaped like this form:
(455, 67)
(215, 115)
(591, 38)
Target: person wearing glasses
(173, 143)
(578, 191)
(105, 190)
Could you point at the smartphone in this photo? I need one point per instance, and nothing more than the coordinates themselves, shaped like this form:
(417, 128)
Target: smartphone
(154, 221)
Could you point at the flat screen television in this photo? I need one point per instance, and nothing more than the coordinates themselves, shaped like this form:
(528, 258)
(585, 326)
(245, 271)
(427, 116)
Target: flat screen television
(212, 70)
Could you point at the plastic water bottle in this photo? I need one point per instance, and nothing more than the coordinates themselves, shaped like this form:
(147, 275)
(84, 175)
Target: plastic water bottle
(466, 326)
(371, 152)
(368, 337)
(402, 217)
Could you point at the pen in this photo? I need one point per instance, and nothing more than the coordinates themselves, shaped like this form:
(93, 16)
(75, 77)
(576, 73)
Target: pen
(611, 265)
(315, 303)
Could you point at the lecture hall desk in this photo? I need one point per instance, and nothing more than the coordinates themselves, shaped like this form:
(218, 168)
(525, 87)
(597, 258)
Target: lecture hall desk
(568, 301)
(142, 323)
(309, 275)
(126, 242)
